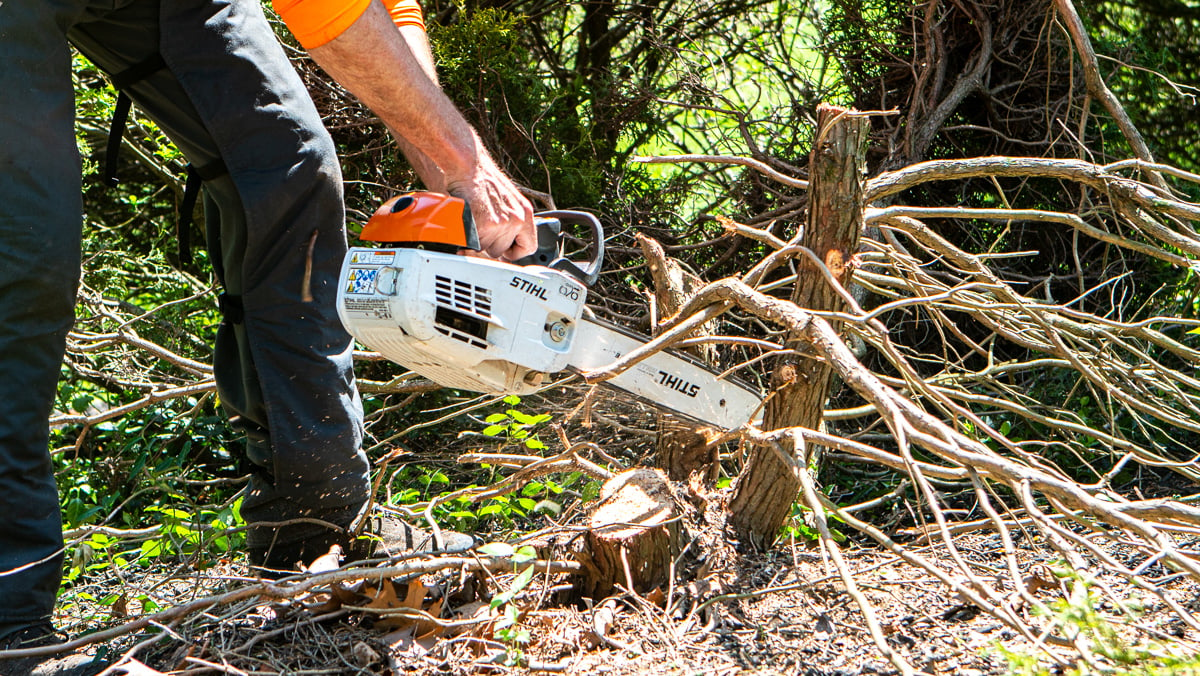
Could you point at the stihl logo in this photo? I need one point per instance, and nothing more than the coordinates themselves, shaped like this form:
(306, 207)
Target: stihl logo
(528, 287)
(678, 384)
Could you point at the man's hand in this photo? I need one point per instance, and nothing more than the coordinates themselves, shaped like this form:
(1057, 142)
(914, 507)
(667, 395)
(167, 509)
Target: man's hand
(503, 217)
(390, 72)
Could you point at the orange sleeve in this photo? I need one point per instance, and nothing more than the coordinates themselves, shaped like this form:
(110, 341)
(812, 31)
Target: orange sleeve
(316, 22)
(406, 13)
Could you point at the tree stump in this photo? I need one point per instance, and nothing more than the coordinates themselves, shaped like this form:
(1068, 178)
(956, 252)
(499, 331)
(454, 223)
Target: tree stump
(633, 535)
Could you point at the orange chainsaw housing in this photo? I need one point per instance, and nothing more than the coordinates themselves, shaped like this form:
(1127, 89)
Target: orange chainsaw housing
(423, 219)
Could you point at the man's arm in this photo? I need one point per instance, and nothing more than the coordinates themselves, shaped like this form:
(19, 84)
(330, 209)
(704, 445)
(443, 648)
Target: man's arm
(388, 69)
(430, 173)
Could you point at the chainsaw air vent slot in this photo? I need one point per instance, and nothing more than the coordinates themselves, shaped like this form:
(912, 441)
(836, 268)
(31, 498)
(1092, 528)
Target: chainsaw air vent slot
(460, 326)
(463, 296)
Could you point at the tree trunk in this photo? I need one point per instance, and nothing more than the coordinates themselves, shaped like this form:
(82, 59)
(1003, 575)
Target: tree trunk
(764, 493)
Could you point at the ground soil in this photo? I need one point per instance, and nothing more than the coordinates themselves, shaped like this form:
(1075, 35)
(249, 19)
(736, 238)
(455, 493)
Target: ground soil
(784, 612)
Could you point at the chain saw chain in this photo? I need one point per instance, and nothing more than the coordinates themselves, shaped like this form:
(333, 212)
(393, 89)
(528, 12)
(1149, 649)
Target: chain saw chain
(490, 326)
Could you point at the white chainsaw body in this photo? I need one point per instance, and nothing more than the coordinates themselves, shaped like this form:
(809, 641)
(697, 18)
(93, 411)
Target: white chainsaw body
(481, 325)
(462, 321)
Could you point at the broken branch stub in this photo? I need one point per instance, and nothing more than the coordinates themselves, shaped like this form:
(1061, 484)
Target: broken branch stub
(681, 448)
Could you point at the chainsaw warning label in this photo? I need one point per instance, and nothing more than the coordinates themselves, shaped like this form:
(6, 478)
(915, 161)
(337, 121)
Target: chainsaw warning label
(372, 257)
(372, 307)
(362, 280)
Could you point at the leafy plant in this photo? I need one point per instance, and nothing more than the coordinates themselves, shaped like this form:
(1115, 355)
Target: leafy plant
(515, 425)
(508, 627)
(1115, 644)
(798, 525)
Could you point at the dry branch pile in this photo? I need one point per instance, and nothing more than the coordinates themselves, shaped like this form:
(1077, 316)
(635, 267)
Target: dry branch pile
(935, 418)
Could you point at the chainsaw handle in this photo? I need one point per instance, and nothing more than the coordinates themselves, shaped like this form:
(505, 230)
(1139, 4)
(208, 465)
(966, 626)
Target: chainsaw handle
(550, 250)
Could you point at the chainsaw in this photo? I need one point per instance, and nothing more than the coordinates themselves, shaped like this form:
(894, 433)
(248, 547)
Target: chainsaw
(483, 325)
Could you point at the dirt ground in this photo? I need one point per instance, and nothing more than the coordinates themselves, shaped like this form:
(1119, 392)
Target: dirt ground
(786, 612)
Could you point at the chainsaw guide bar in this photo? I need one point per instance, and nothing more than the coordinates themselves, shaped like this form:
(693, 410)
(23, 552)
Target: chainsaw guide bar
(667, 380)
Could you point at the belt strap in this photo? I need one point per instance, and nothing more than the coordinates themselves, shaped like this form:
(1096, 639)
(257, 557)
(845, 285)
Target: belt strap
(115, 133)
(191, 194)
(122, 81)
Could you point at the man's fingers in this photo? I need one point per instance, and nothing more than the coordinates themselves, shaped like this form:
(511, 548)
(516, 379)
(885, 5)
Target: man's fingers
(503, 216)
(513, 236)
(514, 244)
(524, 245)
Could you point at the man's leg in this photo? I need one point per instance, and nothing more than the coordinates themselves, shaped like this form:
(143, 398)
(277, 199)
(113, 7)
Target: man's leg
(228, 97)
(40, 216)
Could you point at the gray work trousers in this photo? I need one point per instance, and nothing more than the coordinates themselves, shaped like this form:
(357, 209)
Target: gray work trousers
(283, 367)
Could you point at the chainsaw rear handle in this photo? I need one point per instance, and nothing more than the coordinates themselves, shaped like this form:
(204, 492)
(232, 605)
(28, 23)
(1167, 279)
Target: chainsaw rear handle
(550, 248)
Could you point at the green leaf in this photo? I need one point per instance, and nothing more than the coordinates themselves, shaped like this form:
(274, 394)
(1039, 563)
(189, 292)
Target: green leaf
(519, 417)
(494, 430)
(498, 549)
(512, 400)
(525, 554)
(170, 513)
(495, 418)
(526, 503)
(488, 510)
(522, 580)
(534, 444)
(81, 402)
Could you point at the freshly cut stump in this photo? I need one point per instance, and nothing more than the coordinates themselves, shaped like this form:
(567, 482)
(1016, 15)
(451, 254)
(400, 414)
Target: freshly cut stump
(633, 535)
